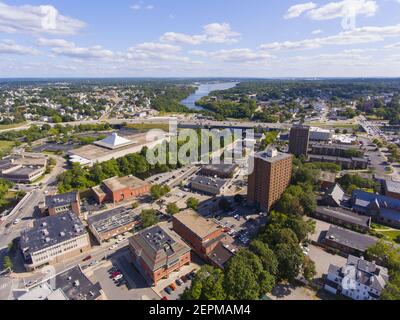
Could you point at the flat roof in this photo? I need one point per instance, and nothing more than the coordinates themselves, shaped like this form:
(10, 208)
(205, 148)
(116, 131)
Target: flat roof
(119, 183)
(350, 239)
(52, 230)
(59, 200)
(221, 168)
(264, 155)
(208, 181)
(199, 225)
(112, 219)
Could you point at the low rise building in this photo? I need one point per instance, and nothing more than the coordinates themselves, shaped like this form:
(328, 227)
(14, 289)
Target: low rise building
(318, 134)
(345, 163)
(71, 284)
(53, 239)
(334, 196)
(208, 185)
(23, 168)
(112, 223)
(327, 179)
(391, 189)
(61, 203)
(158, 252)
(202, 235)
(118, 189)
(358, 279)
(336, 150)
(348, 242)
(343, 217)
(223, 171)
(382, 209)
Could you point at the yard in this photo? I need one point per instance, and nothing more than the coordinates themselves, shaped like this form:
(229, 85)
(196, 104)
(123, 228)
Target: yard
(149, 126)
(6, 146)
(388, 233)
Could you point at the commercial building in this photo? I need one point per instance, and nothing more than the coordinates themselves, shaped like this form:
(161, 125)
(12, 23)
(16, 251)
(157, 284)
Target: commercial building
(358, 279)
(343, 217)
(111, 223)
(345, 163)
(71, 284)
(270, 178)
(61, 203)
(299, 139)
(318, 134)
(223, 171)
(202, 235)
(380, 208)
(348, 242)
(114, 147)
(118, 189)
(211, 186)
(158, 252)
(23, 168)
(391, 189)
(53, 239)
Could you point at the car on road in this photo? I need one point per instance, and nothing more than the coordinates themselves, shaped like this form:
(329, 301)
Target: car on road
(168, 290)
(113, 247)
(16, 221)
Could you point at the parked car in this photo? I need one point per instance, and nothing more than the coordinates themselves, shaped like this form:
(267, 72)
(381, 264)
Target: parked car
(179, 282)
(184, 279)
(164, 299)
(115, 274)
(87, 258)
(172, 286)
(168, 290)
(118, 277)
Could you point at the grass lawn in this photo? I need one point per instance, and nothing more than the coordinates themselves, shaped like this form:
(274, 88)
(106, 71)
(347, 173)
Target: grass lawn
(149, 126)
(391, 235)
(6, 146)
(11, 126)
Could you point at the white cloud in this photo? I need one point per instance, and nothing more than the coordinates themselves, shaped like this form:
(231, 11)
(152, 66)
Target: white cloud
(10, 47)
(155, 51)
(344, 8)
(243, 55)
(334, 10)
(157, 47)
(212, 33)
(317, 31)
(71, 50)
(298, 9)
(351, 37)
(142, 6)
(60, 43)
(36, 19)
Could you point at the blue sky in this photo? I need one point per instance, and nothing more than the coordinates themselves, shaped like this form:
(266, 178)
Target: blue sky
(168, 38)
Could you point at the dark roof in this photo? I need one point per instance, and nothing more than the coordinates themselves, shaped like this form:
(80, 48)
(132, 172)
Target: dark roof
(220, 255)
(350, 239)
(220, 168)
(61, 199)
(215, 182)
(112, 219)
(75, 285)
(49, 231)
(344, 215)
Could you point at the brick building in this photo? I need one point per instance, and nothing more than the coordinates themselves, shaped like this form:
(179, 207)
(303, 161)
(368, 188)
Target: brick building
(118, 189)
(158, 252)
(270, 178)
(202, 235)
(61, 203)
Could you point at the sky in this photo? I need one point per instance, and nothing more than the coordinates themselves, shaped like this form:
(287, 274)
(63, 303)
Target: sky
(199, 38)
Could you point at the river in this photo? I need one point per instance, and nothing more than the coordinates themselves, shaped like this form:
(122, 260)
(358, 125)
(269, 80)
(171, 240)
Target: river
(204, 91)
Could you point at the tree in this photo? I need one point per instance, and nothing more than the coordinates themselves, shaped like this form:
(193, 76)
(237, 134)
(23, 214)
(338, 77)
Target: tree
(207, 285)
(157, 191)
(192, 203)
(309, 270)
(7, 263)
(149, 218)
(172, 209)
(290, 258)
(266, 255)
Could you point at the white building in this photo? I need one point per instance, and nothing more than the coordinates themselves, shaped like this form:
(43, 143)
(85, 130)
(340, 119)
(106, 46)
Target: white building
(358, 279)
(318, 134)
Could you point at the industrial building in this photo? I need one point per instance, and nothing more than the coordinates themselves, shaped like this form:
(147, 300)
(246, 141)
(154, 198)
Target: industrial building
(23, 168)
(118, 189)
(53, 239)
(270, 178)
(158, 252)
(114, 147)
(112, 223)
